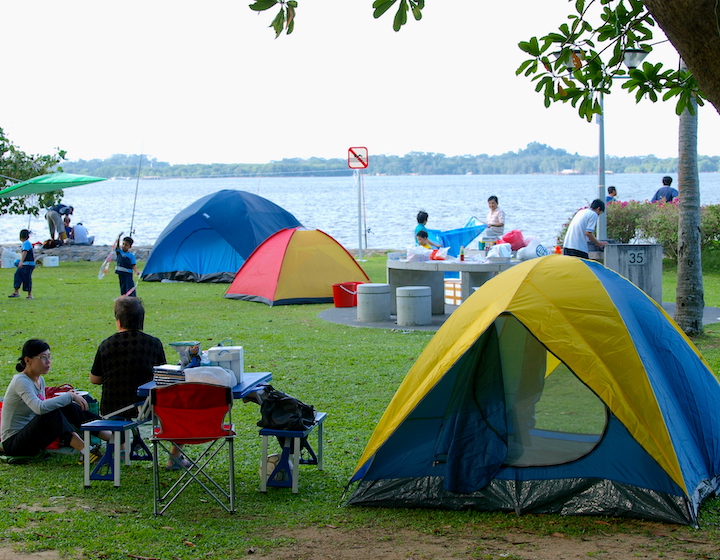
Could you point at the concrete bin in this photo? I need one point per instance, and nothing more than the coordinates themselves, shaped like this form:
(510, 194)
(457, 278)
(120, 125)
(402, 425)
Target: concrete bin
(414, 305)
(373, 303)
(641, 264)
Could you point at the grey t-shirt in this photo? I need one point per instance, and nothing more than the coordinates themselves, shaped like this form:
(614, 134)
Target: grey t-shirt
(23, 401)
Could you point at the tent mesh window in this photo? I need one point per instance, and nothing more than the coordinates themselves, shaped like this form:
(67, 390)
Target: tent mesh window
(552, 417)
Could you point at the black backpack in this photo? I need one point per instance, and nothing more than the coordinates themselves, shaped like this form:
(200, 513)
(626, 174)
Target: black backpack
(280, 411)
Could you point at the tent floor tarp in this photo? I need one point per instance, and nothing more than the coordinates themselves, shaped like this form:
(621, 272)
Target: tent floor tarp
(570, 496)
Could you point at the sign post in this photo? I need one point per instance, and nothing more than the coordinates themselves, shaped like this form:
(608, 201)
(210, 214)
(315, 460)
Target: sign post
(357, 161)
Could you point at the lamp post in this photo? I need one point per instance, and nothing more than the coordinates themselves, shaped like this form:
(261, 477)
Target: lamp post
(632, 58)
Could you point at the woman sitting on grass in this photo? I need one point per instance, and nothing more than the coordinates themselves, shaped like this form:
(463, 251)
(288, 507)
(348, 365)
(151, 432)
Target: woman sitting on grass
(30, 422)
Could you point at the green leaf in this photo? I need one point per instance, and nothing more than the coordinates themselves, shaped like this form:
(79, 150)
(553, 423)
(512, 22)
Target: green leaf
(278, 23)
(382, 6)
(531, 47)
(262, 5)
(400, 15)
(523, 66)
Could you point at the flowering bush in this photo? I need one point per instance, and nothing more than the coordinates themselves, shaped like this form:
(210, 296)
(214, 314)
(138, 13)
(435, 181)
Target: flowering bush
(623, 219)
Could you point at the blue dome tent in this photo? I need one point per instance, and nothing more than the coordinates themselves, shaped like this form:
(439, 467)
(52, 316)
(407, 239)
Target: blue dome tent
(209, 240)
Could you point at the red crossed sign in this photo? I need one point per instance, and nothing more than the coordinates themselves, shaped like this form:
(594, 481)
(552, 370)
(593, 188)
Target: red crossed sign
(358, 158)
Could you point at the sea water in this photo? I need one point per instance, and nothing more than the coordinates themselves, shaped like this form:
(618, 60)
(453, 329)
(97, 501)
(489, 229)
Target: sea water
(385, 206)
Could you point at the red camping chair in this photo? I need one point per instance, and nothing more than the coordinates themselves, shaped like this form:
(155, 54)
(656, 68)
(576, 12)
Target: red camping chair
(190, 414)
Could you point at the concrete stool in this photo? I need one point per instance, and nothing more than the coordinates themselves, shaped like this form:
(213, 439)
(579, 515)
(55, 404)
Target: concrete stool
(373, 303)
(414, 305)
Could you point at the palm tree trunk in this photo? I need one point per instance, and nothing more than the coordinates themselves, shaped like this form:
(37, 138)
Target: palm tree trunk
(689, 297)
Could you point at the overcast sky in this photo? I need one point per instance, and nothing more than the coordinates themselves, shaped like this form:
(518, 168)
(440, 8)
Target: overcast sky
(202, 82)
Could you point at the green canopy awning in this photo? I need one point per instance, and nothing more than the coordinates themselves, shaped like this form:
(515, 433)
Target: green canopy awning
(48, 183)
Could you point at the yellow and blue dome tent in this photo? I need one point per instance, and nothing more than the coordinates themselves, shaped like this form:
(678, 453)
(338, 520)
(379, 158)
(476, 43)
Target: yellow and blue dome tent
(557, 387)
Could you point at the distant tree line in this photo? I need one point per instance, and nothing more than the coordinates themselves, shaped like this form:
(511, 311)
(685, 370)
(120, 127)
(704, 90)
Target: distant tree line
(536, 158)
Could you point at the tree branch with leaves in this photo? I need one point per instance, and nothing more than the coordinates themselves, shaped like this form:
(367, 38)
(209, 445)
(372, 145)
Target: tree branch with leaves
(15, 166)
(568, 67)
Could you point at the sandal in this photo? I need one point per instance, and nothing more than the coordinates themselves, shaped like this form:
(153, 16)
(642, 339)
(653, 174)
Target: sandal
(178, 464)
(14, 295)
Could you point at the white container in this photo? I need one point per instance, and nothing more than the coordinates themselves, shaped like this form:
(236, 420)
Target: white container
(228, 357)
(8, 258)
(51, 261)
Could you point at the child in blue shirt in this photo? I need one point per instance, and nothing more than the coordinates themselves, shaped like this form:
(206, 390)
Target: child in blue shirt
(26, 265)
(125, 266)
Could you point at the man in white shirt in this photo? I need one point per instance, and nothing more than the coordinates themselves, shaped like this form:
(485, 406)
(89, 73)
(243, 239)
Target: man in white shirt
(81, 236)
(581, 230)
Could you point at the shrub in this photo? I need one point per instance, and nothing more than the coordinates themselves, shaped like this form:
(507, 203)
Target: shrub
(661, 225)
(710, 227)
(623, 219)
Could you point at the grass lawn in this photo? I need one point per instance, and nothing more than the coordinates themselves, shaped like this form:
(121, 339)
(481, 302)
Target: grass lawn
(350, 373)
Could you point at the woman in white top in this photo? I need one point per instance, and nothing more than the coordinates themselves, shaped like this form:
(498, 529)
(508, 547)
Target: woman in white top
(495, 220)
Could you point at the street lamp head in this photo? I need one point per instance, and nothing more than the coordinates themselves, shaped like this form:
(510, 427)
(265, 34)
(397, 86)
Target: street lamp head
(574, 60)
(632, 58)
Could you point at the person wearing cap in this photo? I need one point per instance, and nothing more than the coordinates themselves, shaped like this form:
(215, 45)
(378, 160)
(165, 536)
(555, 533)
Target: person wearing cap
(56, 222)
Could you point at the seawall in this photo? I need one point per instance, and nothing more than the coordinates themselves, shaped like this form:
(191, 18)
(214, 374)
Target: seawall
(74, 253)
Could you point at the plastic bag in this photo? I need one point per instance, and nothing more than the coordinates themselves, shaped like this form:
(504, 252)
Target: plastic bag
(514, 238)
(213, 375)
(418, 254)
(439, 254)
(500, 250)
(532, 250)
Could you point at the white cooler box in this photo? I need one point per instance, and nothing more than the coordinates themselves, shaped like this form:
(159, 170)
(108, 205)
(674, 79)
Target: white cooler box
(228, 357)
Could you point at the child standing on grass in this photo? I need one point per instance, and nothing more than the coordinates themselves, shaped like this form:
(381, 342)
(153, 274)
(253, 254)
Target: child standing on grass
(125, 266)
(26, 265)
